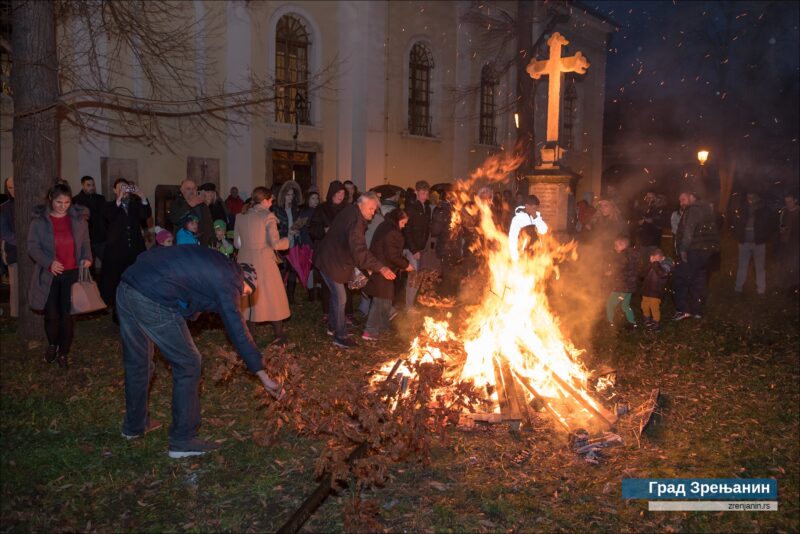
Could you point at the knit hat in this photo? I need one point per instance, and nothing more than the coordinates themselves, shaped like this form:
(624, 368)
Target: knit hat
(162, 236)
(208, 186)
(249, 275)
(188, 216)
(219, 224)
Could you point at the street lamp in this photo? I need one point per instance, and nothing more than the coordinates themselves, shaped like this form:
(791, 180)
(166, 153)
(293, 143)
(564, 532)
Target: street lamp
(702, 157)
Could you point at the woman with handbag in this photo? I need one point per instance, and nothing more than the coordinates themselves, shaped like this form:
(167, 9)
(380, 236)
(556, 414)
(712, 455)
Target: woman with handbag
(58, 243)
(257, 238)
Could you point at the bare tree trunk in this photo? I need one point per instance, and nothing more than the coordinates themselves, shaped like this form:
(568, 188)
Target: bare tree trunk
(34, 82)
(525, 136)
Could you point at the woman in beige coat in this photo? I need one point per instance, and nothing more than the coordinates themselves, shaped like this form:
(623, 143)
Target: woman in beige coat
(256, 237)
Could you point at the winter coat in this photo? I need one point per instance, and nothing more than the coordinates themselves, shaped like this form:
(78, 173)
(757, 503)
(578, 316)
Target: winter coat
(283, 220)
(97, 223)
(7, 233)
(655, 280)
(697, 229)
(42, 249)
(218, 211)
(626, 271)
(448, 240)
(325, 213)
(417, 230)
(306, 213)
(764, 223)
(648, 234)
(387, 246)
(185, 237)
(205, 223)
(344, 247)
(191, 280)
(257, 238)
(124, 242)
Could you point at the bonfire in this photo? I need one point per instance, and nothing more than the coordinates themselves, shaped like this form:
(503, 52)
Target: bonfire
(510, 343)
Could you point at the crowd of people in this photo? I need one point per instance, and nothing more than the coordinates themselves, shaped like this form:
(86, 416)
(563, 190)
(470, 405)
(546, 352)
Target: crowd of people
(244, 258)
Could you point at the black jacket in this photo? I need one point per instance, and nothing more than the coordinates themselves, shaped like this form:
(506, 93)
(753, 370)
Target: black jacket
(765, 222)
(97, 224)
(655, 280)
(626, 271)
(649, 232)
(325, 213)
(387, 246)
(124, 242)
(417, 230)
(344, 247)
(697, 229)
(448, 240)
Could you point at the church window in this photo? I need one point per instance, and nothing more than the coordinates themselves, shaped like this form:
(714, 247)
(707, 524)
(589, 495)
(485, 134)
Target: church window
(419, 90)
(292, 45)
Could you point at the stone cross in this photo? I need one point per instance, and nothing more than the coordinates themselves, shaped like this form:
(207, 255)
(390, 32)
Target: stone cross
(555, 67)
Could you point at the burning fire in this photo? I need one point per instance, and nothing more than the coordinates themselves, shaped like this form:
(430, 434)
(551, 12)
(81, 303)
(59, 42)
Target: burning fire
(512, 335)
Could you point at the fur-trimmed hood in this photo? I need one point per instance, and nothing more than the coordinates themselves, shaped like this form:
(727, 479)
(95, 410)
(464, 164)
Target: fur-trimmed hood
(298, 194)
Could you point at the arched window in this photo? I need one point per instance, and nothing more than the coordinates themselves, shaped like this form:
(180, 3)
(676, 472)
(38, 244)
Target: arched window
(291, 71)
(570, 112)
(420, 65)
(488, 85)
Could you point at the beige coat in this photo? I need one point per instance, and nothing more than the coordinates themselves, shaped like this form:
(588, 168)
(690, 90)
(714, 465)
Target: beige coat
(256, 237)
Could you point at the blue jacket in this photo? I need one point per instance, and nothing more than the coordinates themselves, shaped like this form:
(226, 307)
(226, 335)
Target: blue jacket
(190, 280)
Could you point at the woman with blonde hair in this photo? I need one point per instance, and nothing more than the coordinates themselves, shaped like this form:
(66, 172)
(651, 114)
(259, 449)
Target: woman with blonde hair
(257, 238)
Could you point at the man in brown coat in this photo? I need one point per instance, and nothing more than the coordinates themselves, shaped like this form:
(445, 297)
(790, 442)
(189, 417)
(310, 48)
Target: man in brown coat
(343, 249)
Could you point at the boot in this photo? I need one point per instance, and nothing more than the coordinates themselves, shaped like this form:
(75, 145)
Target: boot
(63, 360)
(290, 286)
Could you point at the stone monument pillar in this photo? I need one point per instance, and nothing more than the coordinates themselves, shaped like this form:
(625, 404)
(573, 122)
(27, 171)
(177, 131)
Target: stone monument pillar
(549, 181)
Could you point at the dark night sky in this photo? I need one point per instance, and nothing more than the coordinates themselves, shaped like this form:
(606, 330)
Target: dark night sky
(720, 74)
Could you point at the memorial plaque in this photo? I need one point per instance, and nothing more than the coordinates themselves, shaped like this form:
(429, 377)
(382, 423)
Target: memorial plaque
(553, 192)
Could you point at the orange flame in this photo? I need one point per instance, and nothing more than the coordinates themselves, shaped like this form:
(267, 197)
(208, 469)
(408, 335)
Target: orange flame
(513, 322)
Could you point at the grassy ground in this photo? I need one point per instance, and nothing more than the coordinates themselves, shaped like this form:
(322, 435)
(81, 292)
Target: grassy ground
(731, 400)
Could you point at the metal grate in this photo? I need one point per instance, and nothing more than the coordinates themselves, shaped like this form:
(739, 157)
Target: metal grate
(291, 69)
(419, 90)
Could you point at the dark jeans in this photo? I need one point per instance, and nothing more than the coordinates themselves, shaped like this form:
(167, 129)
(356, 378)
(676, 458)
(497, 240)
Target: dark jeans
(143, 322)
(690, 281)
(338, 296)
(58, 322)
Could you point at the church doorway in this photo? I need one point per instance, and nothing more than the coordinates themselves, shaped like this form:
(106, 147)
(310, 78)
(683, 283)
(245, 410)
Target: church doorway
(294, 165)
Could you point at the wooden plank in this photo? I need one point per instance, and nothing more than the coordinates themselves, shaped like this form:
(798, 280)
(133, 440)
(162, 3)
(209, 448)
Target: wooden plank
(516, 400)
(603, 414)
(545, 403)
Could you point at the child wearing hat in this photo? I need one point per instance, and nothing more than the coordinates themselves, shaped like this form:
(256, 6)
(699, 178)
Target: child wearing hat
(220, 243)
(164, 238)
(187, 235)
